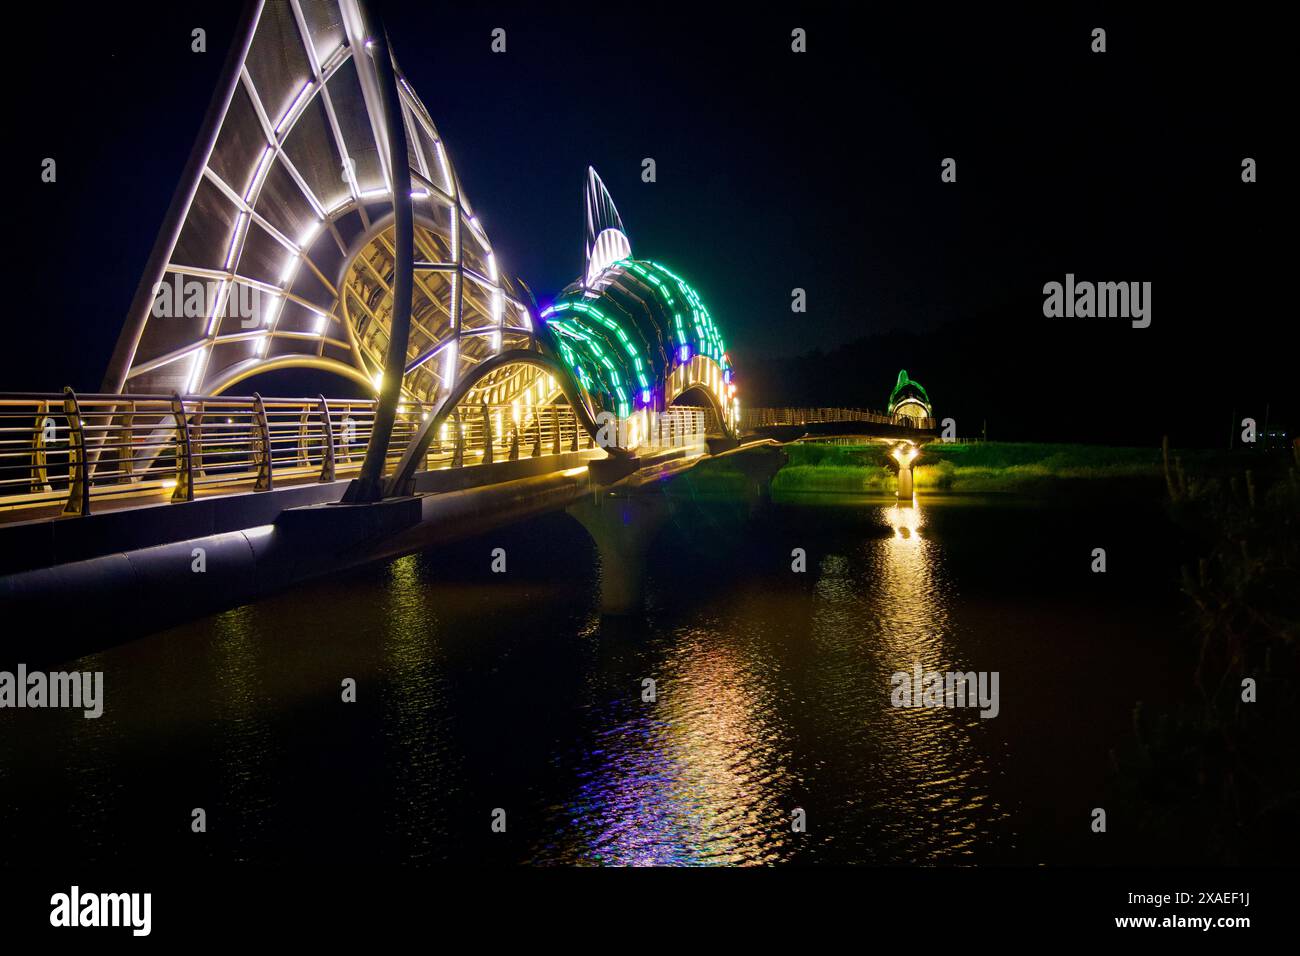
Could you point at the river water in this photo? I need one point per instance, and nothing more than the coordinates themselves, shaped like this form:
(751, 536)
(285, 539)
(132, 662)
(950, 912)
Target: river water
(479, 691)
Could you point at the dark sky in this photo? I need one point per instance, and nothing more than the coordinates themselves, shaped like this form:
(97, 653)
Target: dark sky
(775, 171)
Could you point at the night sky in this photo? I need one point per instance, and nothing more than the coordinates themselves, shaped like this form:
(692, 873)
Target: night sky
(775, 171)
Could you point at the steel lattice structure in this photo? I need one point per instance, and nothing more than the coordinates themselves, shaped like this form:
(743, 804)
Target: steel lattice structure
(909, 400)
(635, 334)
(279, 247)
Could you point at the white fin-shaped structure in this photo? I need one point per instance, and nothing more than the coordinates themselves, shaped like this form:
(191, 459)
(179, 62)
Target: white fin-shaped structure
(278, 249)
(607, 240)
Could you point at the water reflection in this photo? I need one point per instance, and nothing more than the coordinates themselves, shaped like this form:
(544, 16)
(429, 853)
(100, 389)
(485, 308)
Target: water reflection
(910, 781)
(420, 759)
(711, 772)
(773, 693)
(697, 777)
(244, 742)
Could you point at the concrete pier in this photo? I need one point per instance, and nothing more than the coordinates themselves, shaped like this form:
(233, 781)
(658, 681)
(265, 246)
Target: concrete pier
(623, 526)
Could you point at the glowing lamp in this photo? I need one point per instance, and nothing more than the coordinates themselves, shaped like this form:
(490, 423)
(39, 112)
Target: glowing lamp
(904, 454)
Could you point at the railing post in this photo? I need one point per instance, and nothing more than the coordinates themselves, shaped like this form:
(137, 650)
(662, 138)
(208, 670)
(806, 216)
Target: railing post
(487, 435)
(78, 502)
(262, 447)
(40, 461)
(514, 441)
(576, 429)
(537, 438)
(125, 453)
(195, 432)
(555, 428)
(304, 438)
(327, 449)
(458, 454)
(184, 460)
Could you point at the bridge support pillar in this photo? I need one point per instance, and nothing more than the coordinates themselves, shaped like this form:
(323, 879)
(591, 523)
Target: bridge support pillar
(758, 467)
(622, 527)
(905, 482)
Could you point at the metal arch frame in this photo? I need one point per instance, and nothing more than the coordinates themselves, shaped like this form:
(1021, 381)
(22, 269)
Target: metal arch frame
(437, 181)
(369, 485)
(631, 276)
(403, 479)
(128, 343)
(904, 380)
(912, 400)
(235, 374)
(718, 408)
(455, 268)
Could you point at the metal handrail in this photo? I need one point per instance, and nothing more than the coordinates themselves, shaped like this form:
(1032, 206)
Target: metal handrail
(754, 418)
(76, 449)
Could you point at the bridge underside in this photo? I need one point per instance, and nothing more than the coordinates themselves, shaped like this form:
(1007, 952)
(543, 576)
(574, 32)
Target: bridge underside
(133, 570)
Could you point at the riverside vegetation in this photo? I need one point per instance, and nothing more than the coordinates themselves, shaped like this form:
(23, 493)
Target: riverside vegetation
(1016, 467)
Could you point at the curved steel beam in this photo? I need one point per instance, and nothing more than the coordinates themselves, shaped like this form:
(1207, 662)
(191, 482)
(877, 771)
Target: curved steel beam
(369, 485)
(717, 407)
(237, 373)
(403, 480)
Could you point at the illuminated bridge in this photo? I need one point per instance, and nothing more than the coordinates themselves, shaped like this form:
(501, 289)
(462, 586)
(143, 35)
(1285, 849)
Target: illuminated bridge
(320, 224)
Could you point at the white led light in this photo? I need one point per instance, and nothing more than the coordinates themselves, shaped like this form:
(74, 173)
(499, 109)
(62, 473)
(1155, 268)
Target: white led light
(259, 173)
(449, 365)
(235, 236)
(218, 301)
(293, 107)
(273, 311)
(308, 235)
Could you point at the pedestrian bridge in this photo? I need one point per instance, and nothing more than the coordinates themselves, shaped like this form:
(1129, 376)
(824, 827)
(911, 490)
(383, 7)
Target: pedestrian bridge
(320, 225)
(69, 456)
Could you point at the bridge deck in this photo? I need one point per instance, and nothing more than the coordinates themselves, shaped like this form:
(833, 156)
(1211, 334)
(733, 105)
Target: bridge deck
(125, 510)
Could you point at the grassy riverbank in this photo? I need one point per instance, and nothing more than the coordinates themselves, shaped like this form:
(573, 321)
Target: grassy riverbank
(1022, 468)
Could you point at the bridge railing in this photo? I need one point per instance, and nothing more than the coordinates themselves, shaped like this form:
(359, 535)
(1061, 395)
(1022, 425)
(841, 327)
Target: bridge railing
(754, 418)
(493, 432)
(74, 450)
